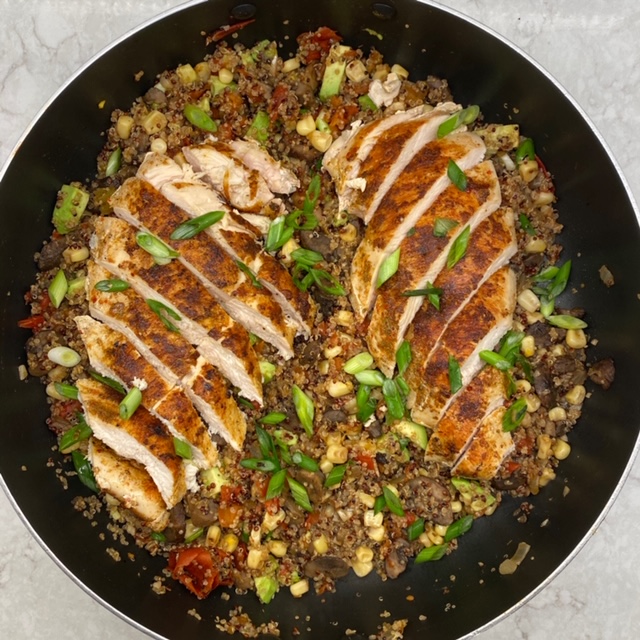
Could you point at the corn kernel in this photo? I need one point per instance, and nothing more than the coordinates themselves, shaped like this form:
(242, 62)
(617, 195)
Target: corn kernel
(325, 465)
(440, 529)
(344, 318)
(277, 548)
(529, 301)
(323, 367)
(576, 395)
(456, 506)
(338, 454)
(528, 346)
(356, 71)
(366, 499)
(158, 145)
(333, 438)
(544, 446)
(576, 338)
(349, 233)
(400, 71)
(154, 122)
(320, 140)
(124, 125)
(535, 245)
(58, 373)
(364, 554)
(75, 254)
(373, 519)
(272, 520)
(556, 414)
(186, 74)
(543, 198)
(561, 449)
(361, 569)
(533, 403)
(381, 72)
(338, 389)
(256, 558)
(523, 385)
(332, 352)
(321, 545)
(203, 71)
(229, 542)
(214, 533)
(434, 537)
(558, 350)
(298, 589)
(377, 534)
(548, 474)
(528, 170)
(424, 539)
(52, 392)
(306, 125)
(291, 65)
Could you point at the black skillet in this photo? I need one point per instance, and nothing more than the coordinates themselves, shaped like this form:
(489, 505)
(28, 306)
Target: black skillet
(601, 228)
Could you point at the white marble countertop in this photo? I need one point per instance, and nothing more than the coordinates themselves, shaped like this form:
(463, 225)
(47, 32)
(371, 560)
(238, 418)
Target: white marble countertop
(591, 47)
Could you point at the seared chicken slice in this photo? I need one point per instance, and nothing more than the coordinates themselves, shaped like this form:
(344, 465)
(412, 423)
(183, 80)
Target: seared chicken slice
(479, 326)
(234, 234)
(112, 355)
(142, 438)
(346, 159)
(185, 305)
(129, 483)
(243, 188)
(484, 394)
(231, 282)
(491, 246)
(424, 254)
(487, 450)
(415, 190)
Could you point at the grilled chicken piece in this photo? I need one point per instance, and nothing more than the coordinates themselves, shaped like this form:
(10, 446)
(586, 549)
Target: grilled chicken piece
(415, 190)
(128, 483)
(487, 450)
(234, 234)
(484, 394)
(142, 438)
(112, 355)
(423, 256)
(202, 321)
(143, 206)
(347, 159)
(491, 246)
(255, 158)
(170, 353)
(479, 326)
(240, 186)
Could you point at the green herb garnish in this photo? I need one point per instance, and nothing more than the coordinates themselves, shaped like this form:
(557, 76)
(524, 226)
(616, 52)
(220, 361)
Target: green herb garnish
(456, 175)
(193, 227)
(164, 313)
(458, 248)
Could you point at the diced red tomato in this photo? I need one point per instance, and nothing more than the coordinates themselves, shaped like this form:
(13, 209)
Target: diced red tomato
(32, 322)
(229, 515)
(195, 569)
(68, 408)
(317, 43)
(366, 461)
(311, 519)
(511, 466)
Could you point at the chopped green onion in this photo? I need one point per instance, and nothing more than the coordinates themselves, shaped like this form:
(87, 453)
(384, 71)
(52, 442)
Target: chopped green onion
(304, 461)
(268, 370)
(392, 501)
(403, 356)
(456, 175)
(130, 403)
(560, 280)
(336, 475)
(304, 408)
(158, 536)
(415, 529)
(547, 274)
(194, 535)
(182, 448)
(307, 257)
(322, 124)
(332, 79)
(164, 313)
(312, 194)
(77, 284)
(113, 284)
(276, 484)
(402, 385)
(370, 377)
(393, 399)
(155, 246)
(58, 288)
(514, 415)
(71, 438)
(299, 494)
(275, 417)
(327, 282)
(64, 356)
(442, 226)
(246, 402)
(389, 267)
(110, 382)
(258, 464)
(358, 363)
(199, 118)
(464, 116)
(458, 248)
(510, 344)
(367, 103)
(114, 162)
(278, 235)
(379, 504)
(193, 227)
(458, 528)
(525, 150)
(455, 375)
(259, 129)
(566, 322)
(496, 360)
(84, 470)
(66, 390)
(267, 446)
(547, 306)
(309, 220)
(525, 223)
(432, 553)
(285, 439)
(430, 292)
(365, 404)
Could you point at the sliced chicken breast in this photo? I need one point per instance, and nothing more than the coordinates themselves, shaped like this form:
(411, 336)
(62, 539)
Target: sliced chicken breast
(231, 282)
(142, 438)
(128, 483)
(487, 450)
(234, 234)
(491, 246)
(415, 190)
(479, 326)
(484, 394)
(424, 254)
(171, 354)
(112, 355)
(185, 305)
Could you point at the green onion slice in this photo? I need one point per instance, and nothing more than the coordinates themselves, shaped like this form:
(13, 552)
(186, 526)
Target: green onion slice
(514, 415)
(267, 446)
(110, 382)
(496, 360)
(403, 356)
(301, 220)
(442, 226)
(259, 129)
(259, 464)
(367, 103)
(304, 408)
(130, 403)
(307, 257)
(455, 375)
(389, 267)
(182, 448)
(392, 501)
(84, 470)
(525, 150)
(278, 235)
(164, 313)
(510, 344)
(525, 223)
(547, 306)
(158, 536)
(114, 162)
(275, 417)
(431, 554)
(199, 118)
(560, 280)
(379, 504)
(193, 227)
(358, 363)
(249, 273)
(304, 461)
(299, 494)
(458, 248)
(336, 475)
(72, 437)
(566, 322)
(365, 404)
(370, 377)
(66, 390)
(327, 282)
(155, 247)
(464, 116)
(415, 529)
(430, 292)
(456, 175)
(64, 356)
(195, 535)
(112, 284)
(458, 528)
(393, 399)
(276, 484)
(58, 289)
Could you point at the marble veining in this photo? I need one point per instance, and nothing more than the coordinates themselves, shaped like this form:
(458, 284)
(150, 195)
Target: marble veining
(591, 47)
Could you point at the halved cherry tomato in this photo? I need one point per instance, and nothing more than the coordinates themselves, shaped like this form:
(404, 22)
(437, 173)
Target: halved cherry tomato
(194, 568)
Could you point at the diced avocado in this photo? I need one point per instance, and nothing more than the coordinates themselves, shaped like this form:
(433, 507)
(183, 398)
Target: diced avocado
(268, 370)
(500, 137)
(259, 129)
(412, 431)
(470, 491)
(70, 205)
(266, 588)
(332, 79)
(217, 86)
(213, 480)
